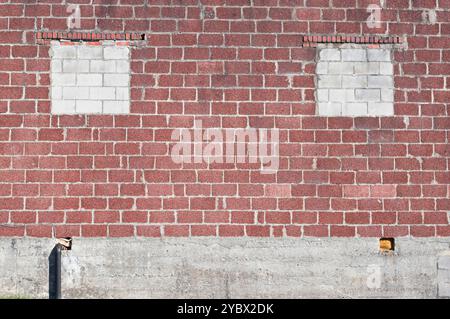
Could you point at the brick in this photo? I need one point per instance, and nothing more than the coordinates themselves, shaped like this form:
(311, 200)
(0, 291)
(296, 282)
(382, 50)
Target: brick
(74, 66)
(39, 231)
(64, 52)
(108, 217)
(88, 107)
(322, 95)
(50, 135)
(116, 107)
(366, 67)
(315, 231)
(116, 53)
(354, 55)
(329, 81)
(102, 93)
(148, 231)
(94, 230)
(378, 55)
(367, 94)
(354, 109)
(67, 231)
(89, 52)
(329, 109)
(116, 80)
(330, 55)
(75, 93)
(369, 231)
(355, 81)
(120, 230)
(342, 231)
(386, 68)
(176, 230)
(122, 67)
(387, 95)
(340, 68)
(257, 231)
(383, 191)
(12, 231)
(100, 66)
(356, 191)
(23, 217)
(380, 81)
(231, 231)
(63, 79)
(10, 121)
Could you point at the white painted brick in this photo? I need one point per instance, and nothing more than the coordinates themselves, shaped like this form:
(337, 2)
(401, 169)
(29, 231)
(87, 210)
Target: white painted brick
(329, 81)
(56, 66)
(102, 93)
(86, 107)
(63, 79)
(354, 81)
(63, 106)
(64, 52)
(354, 109)
(366, 67)
(56, 93)
(340, 68)
(386, 68)
(90, 52)
(367, 95)
(116, 52)
(387, 95)
(116, 80)
(354, 55)
(322, 68)
(330, 55)
(75, 66)
(103, 66)
(379, 55)
(123, 66)
(116, 107)
(337, 95)
(381, 109)
(329, 109)
(322, 95)
(75, 93)
(122, 93)
(350, 95)
(91, 79)
(380, 81)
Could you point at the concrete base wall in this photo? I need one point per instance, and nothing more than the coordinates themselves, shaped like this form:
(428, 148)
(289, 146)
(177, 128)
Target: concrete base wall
(228, 268)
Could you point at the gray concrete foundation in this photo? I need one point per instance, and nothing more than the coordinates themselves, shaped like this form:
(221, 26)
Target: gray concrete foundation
(228, 268)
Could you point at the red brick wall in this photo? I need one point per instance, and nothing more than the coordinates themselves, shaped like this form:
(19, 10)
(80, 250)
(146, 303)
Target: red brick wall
(230, 63)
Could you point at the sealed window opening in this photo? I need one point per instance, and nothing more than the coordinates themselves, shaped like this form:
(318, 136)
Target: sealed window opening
(387, 244)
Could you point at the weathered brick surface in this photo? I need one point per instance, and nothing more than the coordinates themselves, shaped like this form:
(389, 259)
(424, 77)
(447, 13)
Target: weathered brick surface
(372, 170)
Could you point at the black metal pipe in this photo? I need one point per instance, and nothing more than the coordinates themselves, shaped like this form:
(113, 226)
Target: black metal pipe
(58, 271)
(54, 273)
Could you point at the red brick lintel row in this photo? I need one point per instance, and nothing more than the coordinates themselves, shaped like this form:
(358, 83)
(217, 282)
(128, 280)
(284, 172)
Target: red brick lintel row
(312, 40)
(88, 36)
(308, 40)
